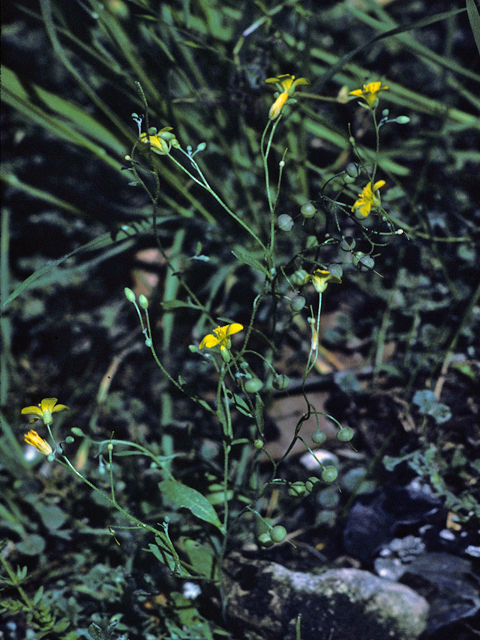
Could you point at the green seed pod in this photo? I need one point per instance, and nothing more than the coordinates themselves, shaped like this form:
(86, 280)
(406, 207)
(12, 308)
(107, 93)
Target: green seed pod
(297, 303)
(319, 437)
(336, 270)
(308, 210)
(311, 242)
(264, 540)
(258, 444)
(345, 434)
(348, 179)
(329, 474)
(362, 261)
(253, 385)
(298, 277)
(313, 485)
(352, 169)
(347, 244)
(285, 222)
(278, 533)
(296, 490)
(281, 382)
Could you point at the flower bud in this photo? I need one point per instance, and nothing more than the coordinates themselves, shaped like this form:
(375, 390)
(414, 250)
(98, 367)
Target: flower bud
(129, 294)
(402, 120)
(143, 301)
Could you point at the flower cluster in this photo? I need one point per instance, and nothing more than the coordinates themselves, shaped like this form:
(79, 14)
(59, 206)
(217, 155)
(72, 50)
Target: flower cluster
(320, 279)
(286, 85)
(221, 337)
(368, 199)
(369, 93)
(44, 410)
(160, 142)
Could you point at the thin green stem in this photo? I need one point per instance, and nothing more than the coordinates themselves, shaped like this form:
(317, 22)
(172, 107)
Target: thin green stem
(205, 185)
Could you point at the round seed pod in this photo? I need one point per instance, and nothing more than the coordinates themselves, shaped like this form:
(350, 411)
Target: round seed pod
(278, 533)
(329, 474)
(345, 434)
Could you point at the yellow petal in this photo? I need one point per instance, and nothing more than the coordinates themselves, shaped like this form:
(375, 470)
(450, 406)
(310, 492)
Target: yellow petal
(277, 106)
(209, 342)
(33, 411)
(39, 443)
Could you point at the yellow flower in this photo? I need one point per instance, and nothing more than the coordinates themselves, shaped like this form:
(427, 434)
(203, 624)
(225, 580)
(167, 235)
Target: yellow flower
(369, 93)
(42, 445)
(161, 142)
(278, 105)
(287, 85)
(367, 200)
(45, 410)
(320, 279)
(221, 336)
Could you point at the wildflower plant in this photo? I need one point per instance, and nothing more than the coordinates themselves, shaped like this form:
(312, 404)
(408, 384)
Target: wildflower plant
(243, 373)
(250, 252)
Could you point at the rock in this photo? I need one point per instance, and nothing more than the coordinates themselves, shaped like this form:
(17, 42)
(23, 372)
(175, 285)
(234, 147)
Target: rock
(451, 585)
(340, 603)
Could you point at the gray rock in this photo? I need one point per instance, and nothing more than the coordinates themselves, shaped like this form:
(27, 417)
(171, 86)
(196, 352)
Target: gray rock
(346, 604)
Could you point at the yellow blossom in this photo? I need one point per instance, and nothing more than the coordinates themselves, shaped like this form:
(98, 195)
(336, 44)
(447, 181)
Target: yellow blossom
(278, 105)
(160, 142)
(320, 279)
(369, 93)
(221, 336)
(45, 410)
(42, 445)
(367, 200)
(287, 85)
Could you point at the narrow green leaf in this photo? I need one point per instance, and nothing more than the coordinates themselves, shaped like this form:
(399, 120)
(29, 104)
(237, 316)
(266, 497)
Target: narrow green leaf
(474, 17)
(98, 243)
(177, 304)
(190, 499)
(240, 404)
(252, 262)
